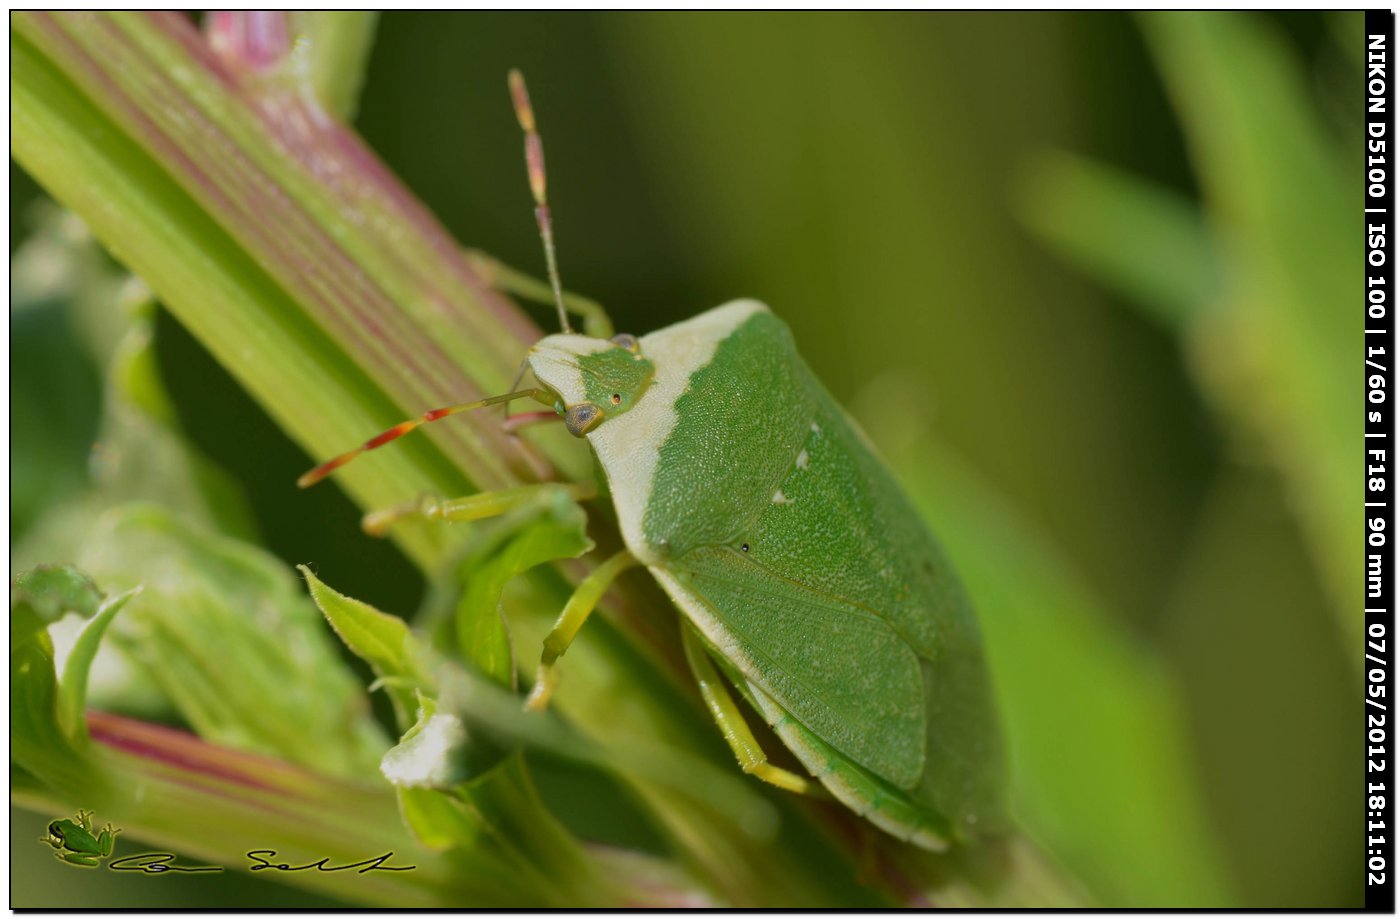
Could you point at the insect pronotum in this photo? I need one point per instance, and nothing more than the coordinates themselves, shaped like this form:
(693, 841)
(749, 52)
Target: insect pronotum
(805, 577)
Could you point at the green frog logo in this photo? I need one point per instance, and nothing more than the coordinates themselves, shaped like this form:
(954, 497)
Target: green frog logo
(75, 842)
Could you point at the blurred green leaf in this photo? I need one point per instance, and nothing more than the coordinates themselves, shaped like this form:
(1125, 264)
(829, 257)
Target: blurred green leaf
(226, 633)
(1248, 605)
(1129, 816)
(1272, 343)
(145, 454)
(1147, 241)
(38, 742)
(1256, 295)
(54, 412)
(139, 452)
(498, 822)
(73, 686)
(52, 590)
(1281, 357)
(73, 616)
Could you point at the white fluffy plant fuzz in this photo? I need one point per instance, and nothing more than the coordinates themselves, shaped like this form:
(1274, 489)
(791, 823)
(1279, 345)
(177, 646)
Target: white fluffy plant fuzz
(429, 757)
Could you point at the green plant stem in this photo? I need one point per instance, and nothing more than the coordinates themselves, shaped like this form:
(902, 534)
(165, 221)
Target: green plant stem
(279, 240)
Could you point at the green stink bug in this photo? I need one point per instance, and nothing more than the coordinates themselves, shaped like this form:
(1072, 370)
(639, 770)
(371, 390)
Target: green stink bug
(804, 575)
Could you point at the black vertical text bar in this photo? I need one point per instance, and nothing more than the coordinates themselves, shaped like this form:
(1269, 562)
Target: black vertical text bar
(1379, 358)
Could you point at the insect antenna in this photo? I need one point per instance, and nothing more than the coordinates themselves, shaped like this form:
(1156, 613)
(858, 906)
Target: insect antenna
(534, 165)
(403, 427)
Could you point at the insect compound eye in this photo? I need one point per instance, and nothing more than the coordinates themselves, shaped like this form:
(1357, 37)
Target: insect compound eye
(626, 341)
(582, 418)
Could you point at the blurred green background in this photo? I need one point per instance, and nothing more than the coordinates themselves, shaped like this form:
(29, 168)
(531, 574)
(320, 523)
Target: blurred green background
(1046, 241)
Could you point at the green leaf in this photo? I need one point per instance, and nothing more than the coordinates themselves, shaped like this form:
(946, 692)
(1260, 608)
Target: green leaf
(73, 688)
(439, 822)
(498, 823)
(494, 817)
(49, 734)
(498, 713)
(34, 725)
(440, 691)
(550, 527)
(380, 640)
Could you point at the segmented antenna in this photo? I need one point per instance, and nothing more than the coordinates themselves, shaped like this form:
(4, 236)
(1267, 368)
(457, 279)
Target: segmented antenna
(534, 165)
(403, 427)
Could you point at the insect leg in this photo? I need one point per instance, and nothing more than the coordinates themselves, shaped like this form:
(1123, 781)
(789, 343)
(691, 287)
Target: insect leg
(520, 420)
(499, 276)
(575, 613)
(472, 507)
(731, 722)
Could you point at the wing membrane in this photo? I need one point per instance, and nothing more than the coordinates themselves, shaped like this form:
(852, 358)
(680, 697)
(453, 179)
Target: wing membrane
(837, 667)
